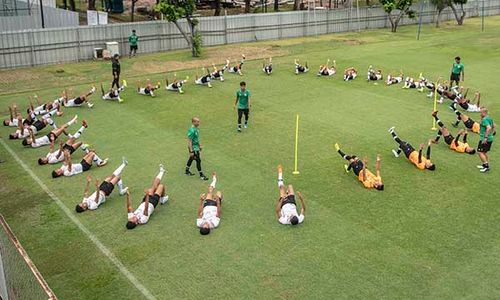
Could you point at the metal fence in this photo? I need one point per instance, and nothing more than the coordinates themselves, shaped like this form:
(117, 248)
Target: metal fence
(51, 46)
(31, 18)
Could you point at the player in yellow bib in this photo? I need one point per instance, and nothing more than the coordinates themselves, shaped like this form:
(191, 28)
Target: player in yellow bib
(367, 178)
(415, 157)
(454, 142)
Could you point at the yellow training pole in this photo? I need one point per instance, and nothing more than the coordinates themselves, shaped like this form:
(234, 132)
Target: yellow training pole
(296, 171)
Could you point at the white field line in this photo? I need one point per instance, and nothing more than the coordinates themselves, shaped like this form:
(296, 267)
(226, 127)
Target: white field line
(118, 264)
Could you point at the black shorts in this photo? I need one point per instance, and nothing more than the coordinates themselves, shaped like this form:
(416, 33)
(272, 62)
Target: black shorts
(407, 148)
(85, 165)
(484, 148)
(301, 69)
(455, 77)
(27, 122)
(106, 188)
(242, 111)
(290, 199)
(78, 100)
(469, 123)
(153, 199)
(70, 148)
(133, 47)
(209, 202)
(356, 166)
(205, 79)
(39, 125)
(449, 139)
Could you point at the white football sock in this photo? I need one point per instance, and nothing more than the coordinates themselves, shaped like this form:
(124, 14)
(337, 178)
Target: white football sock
(79, 132)
(119, 170)
(214, 181)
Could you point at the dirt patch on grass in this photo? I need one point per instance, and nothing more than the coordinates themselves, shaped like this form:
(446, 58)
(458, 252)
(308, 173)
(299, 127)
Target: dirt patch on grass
(353, 42)
(216, 56)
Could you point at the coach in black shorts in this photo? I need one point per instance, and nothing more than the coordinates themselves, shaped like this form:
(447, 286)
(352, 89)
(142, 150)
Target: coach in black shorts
(116, 71)
(486, 133)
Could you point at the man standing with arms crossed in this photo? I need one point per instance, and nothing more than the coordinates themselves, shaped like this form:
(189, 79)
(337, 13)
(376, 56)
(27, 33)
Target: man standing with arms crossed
(132, 40)
(457, 69)
(244, 104)
(194, 147)
(485, 139)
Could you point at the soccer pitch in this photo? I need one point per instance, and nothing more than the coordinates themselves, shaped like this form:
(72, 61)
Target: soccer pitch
(427, 235)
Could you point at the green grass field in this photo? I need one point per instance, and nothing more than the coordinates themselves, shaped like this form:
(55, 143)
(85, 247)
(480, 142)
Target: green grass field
(428, 235)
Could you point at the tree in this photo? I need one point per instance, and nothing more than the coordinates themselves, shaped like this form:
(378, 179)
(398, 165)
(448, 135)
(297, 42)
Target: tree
(132, 9)
(247, 6)
(296, 5)
(460, 18)
(217, 8)
(72, 5)
(440, 6)
(404, 8)
(276, 5)
(91, 5)
(174, 10)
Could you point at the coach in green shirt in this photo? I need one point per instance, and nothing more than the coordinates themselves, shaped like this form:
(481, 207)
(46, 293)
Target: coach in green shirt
(132, 40)
(194, 147)
(456, 69)
(486, 131)
(244, 104)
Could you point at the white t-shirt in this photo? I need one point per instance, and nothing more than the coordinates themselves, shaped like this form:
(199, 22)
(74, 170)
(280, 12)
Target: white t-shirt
(52, 157)
(41, 141)
(210, 216)
(287, 212)
(91, 204)
(139, 213)
(75, 169)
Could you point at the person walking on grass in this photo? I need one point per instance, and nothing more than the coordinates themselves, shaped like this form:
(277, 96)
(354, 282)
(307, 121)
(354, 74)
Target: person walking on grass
(116, 71)
(485, 139)
(194, 147)
(132, 40)
(244, 104)
(457, 69)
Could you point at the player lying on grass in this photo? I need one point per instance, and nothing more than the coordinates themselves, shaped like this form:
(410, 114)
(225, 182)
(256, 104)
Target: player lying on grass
(176, 85)
(102, 190)
(286, 208)
(209, 210)
(300, 68)
(14, 118)
(78, 101)
(423, 163)
(469, 105)
(219, 74)
(69, 169)
(149, 89)
(43, 108)
(468, 122)
(268, 67)
(33, 142)
(454, 142)
(440, 89)
(374, 75)
(23, 130)
(237, 68)
(350, 74)
(56, 156)
(325, 70)
(204, 80)
(411, 83)
(153, 195)
(114, 94)
(394, 79)
(367, 178)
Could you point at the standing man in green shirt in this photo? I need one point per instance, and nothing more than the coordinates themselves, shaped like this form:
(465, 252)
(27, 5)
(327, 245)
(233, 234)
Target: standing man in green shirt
(485, 139)
(194, 147)
(457, 69)
(132, 40)
(244, 104)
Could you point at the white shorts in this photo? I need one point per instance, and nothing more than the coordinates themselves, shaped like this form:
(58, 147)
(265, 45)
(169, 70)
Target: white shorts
(473, 108)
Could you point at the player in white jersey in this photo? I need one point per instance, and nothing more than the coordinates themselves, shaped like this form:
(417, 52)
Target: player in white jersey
(268, 67)
(33, 142)
(78, 101)
(219, 74)
(325, 70)
(394, 79)
(209, 210)
(154, 195)
(286, 208)
(68, 168)
(203, 80)
(374, 75)
(114, 94)
(56, 156)
(237, 69)
(102, 190)
(176, 85)
(350, 74)
(300, 68)
(149, 89)
(23, 130)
